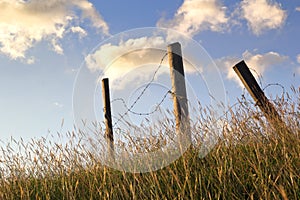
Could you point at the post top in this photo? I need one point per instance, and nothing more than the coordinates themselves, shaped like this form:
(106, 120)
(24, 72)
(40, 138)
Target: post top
(242, 62)
(175, 48)
(174, 44)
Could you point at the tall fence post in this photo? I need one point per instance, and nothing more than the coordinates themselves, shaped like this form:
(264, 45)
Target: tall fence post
(107, 118)
(243, 72)
(179, 94)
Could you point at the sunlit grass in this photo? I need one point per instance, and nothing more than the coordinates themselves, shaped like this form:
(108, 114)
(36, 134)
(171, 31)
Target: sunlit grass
(251, 160)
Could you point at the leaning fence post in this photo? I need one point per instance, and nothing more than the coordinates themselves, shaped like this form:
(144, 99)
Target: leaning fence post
(179, 94)
(258, 95)
(107, 118)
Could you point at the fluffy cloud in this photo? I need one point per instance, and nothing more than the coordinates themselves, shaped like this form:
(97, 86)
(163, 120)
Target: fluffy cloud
(298, 58)
(298, 68)
(25, 23)
(257, 62)
(117, 60)
(137, 58)
(262, 15)
(194, 16)
(89, 12)
(298, 9)
(79, 30)
(59, 105)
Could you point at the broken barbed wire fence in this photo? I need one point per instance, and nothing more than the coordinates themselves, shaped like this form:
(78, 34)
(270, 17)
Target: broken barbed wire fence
(179, 95)
(180, 101)
(107, 118)
(258, 95)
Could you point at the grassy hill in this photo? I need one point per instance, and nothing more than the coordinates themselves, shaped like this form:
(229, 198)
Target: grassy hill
(250, 161)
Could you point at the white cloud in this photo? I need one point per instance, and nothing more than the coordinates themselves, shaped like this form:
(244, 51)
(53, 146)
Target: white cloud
(298, 70)
(59, 105)
(226, 64)
(79, 30)
(118, 60)
(88, 11)
(259, 63)
(298, 58)
(262, 15)
(136, 58)
(25, 23)
(57, 47)
(30, 60)
(298, 9)
(194, 16)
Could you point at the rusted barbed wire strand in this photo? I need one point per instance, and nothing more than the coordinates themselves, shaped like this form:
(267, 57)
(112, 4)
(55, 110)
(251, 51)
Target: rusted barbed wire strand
(275, 84)
(141, 94)
(145, 113)
(156, 107)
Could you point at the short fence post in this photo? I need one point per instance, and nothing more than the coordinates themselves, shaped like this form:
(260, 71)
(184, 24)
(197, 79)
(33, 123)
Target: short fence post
(179, 94)
(258, 95)
(107, 118)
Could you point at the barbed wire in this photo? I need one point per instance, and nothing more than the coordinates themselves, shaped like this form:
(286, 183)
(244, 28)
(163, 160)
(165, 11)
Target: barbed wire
(244, 100)
(275, 84)
(145, 113)
(129, 109)
(259, 76)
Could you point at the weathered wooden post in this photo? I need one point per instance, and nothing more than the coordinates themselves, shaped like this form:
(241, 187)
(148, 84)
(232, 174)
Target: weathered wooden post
(179, 94)
(258, 95)
(107, 118)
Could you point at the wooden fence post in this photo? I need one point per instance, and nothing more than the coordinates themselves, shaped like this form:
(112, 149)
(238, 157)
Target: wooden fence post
(179, 93)
(107, 118)
(258, 95)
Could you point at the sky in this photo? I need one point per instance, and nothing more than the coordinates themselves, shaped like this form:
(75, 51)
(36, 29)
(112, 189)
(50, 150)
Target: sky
(45, 44)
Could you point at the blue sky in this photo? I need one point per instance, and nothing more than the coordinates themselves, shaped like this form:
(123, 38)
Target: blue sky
(44, 43)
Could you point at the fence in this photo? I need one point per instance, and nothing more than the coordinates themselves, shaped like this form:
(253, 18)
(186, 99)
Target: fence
(258, 95)
(180, 100)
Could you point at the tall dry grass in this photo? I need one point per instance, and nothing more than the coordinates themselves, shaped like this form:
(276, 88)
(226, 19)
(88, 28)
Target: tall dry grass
(251, 160)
